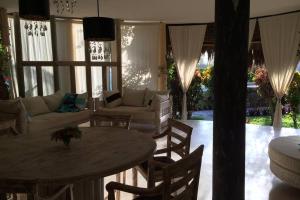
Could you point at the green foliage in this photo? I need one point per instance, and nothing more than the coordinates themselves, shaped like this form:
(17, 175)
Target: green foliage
(4, 58)
(65, 135)
(293, 97)
(287, 121)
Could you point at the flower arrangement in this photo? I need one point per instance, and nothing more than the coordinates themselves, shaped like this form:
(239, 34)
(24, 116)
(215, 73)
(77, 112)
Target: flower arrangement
(65, 135)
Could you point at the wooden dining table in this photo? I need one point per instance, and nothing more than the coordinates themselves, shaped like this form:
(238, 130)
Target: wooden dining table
(34, 160)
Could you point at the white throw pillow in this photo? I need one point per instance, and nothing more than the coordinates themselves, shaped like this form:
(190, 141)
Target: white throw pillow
(53, 101)
(35, 105)
(112, 98)
(133, 97)
(150, 94)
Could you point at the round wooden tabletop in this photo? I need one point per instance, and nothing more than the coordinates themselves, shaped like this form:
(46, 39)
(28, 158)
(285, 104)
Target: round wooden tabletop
(99, 153)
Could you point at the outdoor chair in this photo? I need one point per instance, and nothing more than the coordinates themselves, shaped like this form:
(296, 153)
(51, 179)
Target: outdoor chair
(180, 180)
(177, 147)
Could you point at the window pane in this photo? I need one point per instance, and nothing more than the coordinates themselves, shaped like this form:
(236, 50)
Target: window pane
(97, 86)
(112, 80)
(30, 81)
(78, 42)
(36, 40)
(80, 74)
(48, 80)
(100, 51)
(64, 79)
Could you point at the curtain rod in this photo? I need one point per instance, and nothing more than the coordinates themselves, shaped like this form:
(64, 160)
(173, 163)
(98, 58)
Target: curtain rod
(259, 17)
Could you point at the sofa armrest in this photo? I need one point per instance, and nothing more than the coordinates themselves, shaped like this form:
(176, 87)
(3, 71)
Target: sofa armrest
(162, 114)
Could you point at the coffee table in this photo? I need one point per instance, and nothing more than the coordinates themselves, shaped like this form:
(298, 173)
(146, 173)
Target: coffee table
(284, 153)
(32, 159)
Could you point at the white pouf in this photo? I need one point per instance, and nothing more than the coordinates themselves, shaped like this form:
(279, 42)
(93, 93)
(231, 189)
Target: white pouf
(284, 153)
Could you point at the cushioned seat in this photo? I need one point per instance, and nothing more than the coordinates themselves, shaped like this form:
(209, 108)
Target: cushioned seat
(285, 159)
(137, 113)
(40, 123)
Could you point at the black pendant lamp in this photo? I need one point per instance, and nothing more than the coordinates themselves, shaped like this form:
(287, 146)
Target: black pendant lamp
(98, 28)
(37, 10)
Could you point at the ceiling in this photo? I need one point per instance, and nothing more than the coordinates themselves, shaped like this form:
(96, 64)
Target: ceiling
(169, 11)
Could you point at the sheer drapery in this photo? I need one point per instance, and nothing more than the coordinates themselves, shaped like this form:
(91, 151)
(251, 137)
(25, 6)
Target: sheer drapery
(36, 48)
(186, 44)
(12, 51)
(252, 24)
(79, 55)
(280, 39)
(140, 55)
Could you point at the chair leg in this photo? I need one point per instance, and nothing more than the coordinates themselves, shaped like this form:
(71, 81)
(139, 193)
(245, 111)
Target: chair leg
(134, 177)
(124, 177)
(3, 196)
(118, 195)
(71, 192)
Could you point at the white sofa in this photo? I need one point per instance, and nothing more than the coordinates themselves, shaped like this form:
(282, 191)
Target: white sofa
(136, 103)
(37, 114)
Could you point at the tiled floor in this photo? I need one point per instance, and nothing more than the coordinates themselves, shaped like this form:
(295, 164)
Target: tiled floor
(261, 184)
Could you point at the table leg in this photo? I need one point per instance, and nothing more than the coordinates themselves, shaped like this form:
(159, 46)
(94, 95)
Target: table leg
(3, 196)
(99, 189)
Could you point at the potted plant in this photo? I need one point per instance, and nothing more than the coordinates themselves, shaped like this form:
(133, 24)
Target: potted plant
(4, 70)
(65, 135)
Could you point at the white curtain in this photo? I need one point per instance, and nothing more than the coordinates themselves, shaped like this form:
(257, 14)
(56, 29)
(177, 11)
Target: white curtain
(186, 43)
(36, 47)
(280, 37)
(252, 24)
(140, 55)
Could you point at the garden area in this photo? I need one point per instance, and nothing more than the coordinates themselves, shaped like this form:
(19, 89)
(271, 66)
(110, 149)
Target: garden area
(261, 99)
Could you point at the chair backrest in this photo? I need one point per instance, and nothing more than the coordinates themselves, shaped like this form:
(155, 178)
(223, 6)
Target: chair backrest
(179, 138)
(104, 119)
(181, 179)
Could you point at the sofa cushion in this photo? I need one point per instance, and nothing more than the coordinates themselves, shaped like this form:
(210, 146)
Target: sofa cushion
(35, 105)
(53, 101)
(133, 97)
(53, 120)
(150, 94)
(137, 113)
(112, 98)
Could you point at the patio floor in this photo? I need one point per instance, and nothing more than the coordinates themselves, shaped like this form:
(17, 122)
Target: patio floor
(261, 184)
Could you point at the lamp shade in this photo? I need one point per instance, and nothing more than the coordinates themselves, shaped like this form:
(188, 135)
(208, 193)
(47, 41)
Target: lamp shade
(34, 9)
(98, 29)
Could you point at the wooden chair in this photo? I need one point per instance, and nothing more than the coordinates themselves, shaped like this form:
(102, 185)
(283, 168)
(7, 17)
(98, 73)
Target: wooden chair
(108, 119)
(180, 181)
(178, 144)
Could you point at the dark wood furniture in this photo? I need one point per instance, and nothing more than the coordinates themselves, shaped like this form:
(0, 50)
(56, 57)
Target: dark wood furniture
(180, 180)
(108, 119)
(178, 137)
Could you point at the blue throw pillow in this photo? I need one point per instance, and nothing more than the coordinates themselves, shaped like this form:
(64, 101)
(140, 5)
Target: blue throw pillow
(68, 104)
